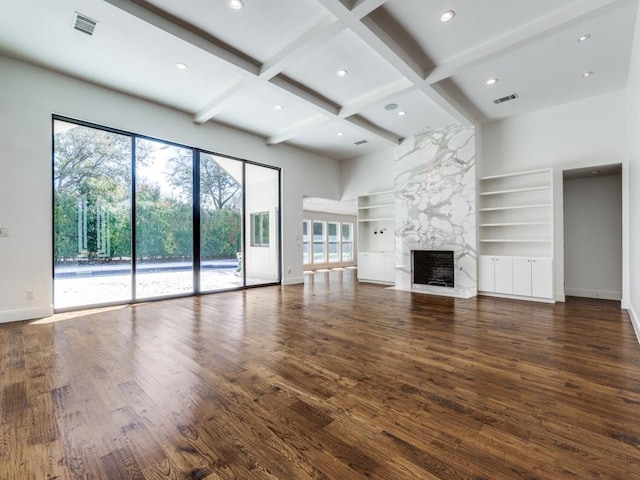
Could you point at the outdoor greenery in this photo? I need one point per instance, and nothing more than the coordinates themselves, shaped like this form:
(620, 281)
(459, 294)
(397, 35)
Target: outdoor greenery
(92, 201)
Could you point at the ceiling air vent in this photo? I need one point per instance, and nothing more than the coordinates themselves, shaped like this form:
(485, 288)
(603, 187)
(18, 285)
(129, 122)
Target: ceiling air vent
(361, 142)
(513, 96)
(83, 23)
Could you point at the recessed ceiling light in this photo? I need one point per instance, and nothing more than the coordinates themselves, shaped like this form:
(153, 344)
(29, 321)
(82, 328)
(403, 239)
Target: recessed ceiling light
(595, 172)
(402, 113)
(447, 16)
(181, 66)
(342, 72)
(236, 4)
(278, 107)
(391, 106)
(340, 134)
(584, 37)
(587, 74)
(492, 81)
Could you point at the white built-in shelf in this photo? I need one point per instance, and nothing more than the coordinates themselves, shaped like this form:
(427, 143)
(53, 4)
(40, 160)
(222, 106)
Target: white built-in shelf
(517, 190)
(514, 240)
(376, 226)
(379, 219)
(513, 224)
(517, 174)
(369, 207)
(514, 207)
(515, 214)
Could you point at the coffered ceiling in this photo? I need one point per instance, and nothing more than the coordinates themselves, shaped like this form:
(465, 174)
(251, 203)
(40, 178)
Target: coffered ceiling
(271, 67)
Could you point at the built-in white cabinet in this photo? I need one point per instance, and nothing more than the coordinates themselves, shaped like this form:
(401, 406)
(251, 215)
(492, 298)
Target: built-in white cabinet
(515, 234)
(388, 267)
(496, 274)
(376, 267)
(376, 257)
(520, 276)
(542, 277)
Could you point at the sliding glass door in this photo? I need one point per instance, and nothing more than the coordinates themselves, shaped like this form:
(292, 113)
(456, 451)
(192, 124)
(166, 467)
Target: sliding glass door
(137, 218)
(164, 219)
(262, 220)
(221, 182)
(92, 215)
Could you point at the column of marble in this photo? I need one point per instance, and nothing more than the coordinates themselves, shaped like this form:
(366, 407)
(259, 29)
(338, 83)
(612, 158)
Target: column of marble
(436, 205)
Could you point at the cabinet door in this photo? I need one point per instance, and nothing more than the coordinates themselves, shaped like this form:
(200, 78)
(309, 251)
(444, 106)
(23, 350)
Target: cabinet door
(365, 265)
(542, 277)
(375, 262)
(503, 274)
(389, 262)
(486, 276)
(522, 276)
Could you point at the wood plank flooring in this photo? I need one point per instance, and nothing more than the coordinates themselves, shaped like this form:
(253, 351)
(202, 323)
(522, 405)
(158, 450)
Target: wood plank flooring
(330, 380)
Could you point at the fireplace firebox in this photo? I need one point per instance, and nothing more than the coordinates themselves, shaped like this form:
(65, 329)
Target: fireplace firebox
(434, 268)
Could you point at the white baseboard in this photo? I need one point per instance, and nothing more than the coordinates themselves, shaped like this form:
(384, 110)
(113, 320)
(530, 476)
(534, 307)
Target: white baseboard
(517, 297)
(7, 316)
(292, 280)
(603, 294)
(635, 321)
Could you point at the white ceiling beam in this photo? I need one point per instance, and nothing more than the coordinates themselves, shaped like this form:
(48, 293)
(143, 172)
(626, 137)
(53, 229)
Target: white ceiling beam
(218, 104)
(452, 94)
(363, 124)
(544, 27)
(318, 104)
(297, 130)
(362, 8)
(312, 38)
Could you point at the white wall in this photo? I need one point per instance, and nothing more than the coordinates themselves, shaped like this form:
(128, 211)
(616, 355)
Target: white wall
(367, 174)
(633, 185)
(586, 133)
(593, 236)
(28, 97)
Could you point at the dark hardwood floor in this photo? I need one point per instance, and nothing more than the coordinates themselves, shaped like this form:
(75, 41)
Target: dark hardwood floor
(330, 380)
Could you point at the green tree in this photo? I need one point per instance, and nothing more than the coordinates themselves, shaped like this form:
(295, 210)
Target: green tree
(217, 187)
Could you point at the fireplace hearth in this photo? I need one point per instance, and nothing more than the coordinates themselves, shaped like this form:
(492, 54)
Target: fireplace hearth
(434, 268)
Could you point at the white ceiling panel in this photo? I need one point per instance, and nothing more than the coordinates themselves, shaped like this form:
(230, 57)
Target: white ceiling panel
(145, 69)
(549, 71)
(324, 139)
(476, 22)
(255, 108)
(259, 30)
(421, 114)
(367, 71)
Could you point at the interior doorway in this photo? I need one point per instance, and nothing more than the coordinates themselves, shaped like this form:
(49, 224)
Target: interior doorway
(593, 232)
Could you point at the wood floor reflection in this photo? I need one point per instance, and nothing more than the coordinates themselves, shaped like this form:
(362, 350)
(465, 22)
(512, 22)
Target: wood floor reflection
(328, 380)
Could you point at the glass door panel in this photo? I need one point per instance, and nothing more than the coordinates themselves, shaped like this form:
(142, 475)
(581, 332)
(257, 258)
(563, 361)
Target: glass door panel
(220, 223)
(262, 220)
(92, 216)
(164, 219)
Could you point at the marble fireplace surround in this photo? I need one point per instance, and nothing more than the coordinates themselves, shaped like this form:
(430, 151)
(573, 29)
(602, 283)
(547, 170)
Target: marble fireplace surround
(435, 198)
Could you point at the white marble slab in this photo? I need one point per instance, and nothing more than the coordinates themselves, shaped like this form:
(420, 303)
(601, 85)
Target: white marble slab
(436, 205)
